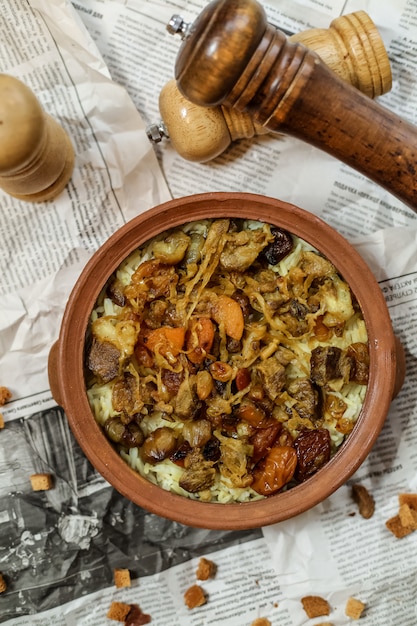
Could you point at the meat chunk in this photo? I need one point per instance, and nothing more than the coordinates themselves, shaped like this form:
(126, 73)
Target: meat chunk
(115, 291)
(307, 396)
(125, 395)
(360, 354)
(151, 280)
(186, 401)
(272, 374)
(314, 264)
(242, 248)
(199, 474)
(103, 360)
(329, 363)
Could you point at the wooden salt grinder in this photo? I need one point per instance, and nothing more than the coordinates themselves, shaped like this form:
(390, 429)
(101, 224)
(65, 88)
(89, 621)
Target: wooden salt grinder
(36, 154)
(351, 47)
(233, 57)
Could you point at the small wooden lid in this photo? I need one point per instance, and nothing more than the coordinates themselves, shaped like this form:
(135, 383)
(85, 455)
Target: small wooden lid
(21, 124)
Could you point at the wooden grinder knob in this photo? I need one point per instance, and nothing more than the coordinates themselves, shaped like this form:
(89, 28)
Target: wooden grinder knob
(199, 133)
(233, 57)
(36, 155)
(351, 47)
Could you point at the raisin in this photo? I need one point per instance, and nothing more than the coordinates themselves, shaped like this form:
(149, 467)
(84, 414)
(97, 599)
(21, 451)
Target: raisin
(180, 454)
(211, 450)
(221, 371)
(172, 380)
(364, 500)
(313, 451)
(243, 300)
(263, 439)
(243, 378)
(277, 249)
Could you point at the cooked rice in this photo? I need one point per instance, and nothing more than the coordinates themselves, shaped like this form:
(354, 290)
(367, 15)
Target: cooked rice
(166, 473)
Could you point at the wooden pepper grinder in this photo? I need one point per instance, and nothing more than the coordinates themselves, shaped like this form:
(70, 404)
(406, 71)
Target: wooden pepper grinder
(36, 154)
(351, 47)
(233, 57)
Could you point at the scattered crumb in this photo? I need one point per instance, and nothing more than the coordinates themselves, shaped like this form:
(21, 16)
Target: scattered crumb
(136, 616)
(354, 608)
(405, 522)
(315, 606)
(206, 569)
(3, 585)
(1, 421)
(121, 577)
(364, 500)
(394, 525)
(5, 395)
(194, 596)
(261, 621)
(408, 516)
(408, 498)
(118, 611)
(129, 614)
(41, 482)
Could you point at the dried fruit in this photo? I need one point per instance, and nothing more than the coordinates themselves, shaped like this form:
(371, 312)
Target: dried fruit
(279, 247)
(313, 451)
(364, 500)
(275, 470)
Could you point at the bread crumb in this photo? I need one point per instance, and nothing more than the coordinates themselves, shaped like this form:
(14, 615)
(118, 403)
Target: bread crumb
(41, 482)
(261, 621)
(408, 517)
(118, 611)
(408, 498)
(194, 596)
(3, 585)
(5, 395)
(315, 606)
(394, 525)
(206, 569)
(121, 577)
(324, 624)
(1, 421)
(364, 500)
(405, 522)
(354, 608)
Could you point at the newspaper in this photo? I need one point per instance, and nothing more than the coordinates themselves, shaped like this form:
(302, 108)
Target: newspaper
(98, 67)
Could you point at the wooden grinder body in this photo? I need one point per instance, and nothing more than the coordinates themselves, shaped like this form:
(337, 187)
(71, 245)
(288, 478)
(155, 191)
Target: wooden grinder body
(351, 47)
(36, 155)
(235, 58)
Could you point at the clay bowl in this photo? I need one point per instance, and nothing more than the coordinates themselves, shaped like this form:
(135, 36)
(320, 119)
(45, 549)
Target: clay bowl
(66, 360)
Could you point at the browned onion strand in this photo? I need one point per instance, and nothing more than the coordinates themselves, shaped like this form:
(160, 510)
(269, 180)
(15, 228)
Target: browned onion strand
(227, 360)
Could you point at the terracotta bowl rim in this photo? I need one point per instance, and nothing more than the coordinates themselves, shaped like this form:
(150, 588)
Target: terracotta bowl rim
(66, 358)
